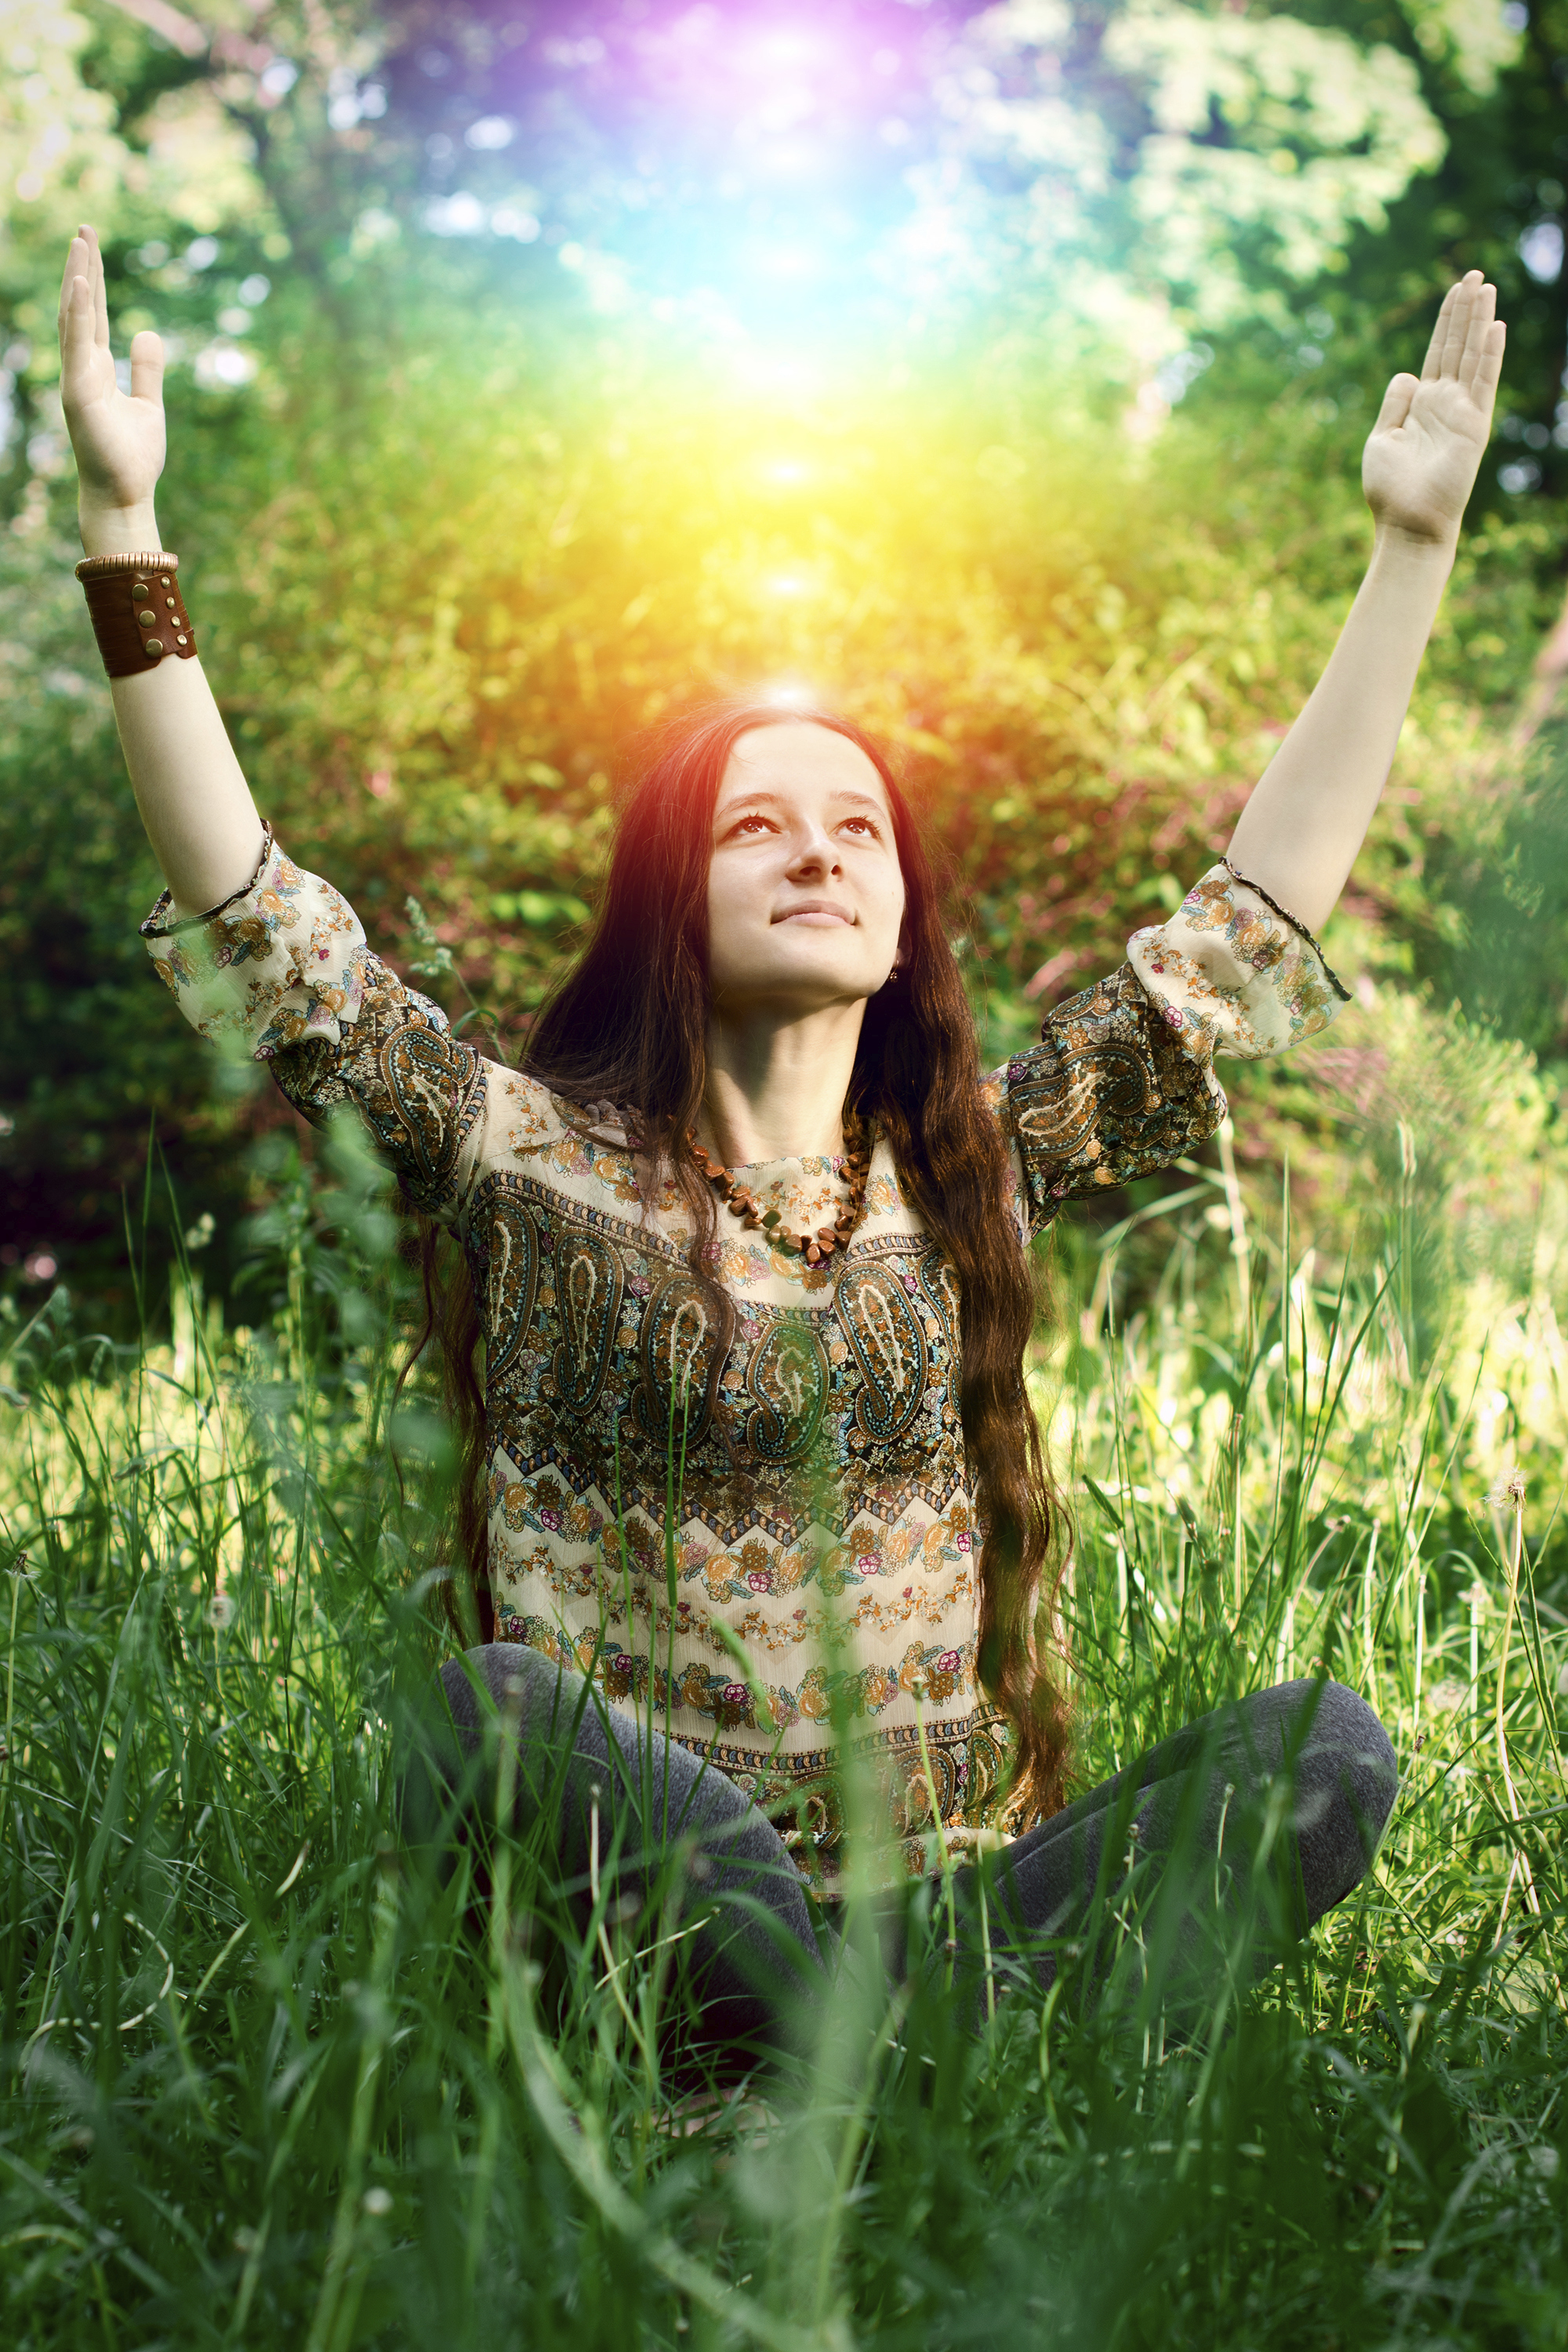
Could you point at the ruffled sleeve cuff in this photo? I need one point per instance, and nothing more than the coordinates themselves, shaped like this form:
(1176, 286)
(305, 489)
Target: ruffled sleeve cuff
(1233, 972)
(283, 961)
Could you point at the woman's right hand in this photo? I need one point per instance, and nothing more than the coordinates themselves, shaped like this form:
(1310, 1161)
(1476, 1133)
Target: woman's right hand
(118, 437)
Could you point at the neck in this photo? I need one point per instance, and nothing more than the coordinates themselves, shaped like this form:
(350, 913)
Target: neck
(776, 1084)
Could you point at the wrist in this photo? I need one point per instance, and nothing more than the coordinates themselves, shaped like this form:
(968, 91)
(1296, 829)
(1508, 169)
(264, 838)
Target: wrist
(1393, 544)
(118, 530)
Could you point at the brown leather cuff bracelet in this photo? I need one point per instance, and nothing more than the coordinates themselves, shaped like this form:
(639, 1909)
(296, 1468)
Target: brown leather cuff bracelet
(137, 611)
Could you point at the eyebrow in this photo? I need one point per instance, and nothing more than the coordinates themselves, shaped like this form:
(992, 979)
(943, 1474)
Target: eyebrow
(776, 800)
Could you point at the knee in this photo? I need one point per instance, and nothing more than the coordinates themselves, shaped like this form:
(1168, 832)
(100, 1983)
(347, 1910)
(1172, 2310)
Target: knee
(448, 1750)
(500, 1676)
(1346, 1781)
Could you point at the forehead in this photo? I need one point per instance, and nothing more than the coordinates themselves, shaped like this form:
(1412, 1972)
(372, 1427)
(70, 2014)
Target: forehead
(799, 762)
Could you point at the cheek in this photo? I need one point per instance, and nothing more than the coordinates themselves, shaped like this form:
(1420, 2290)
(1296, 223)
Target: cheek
(716, 917)
(728, 909)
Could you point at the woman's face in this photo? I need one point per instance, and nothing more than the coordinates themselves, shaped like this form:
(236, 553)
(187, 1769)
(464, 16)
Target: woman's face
(805, 897)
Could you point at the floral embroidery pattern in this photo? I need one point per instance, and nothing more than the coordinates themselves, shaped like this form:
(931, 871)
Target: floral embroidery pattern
(1232, 977)
(823, 1519)
(304, 942)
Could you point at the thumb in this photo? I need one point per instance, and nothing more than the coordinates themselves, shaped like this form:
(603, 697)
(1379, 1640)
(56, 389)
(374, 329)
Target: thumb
(147, 367)
(1396, 400)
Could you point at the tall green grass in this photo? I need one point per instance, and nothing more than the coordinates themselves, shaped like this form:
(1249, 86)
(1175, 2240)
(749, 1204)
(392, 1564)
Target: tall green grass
(266, 2083)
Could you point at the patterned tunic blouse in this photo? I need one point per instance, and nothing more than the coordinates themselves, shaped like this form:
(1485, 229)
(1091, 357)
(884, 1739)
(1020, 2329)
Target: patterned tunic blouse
(759, 1536)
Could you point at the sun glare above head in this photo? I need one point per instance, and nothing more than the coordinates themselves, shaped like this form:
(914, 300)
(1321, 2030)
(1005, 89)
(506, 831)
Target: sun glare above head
(788, 693)
(760, 369)
(786, 45)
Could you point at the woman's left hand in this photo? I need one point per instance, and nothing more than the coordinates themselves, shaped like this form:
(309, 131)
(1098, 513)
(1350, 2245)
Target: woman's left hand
(1422, 456)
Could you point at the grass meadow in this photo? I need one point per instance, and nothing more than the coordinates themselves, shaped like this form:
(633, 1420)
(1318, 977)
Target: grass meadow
(264, 2083)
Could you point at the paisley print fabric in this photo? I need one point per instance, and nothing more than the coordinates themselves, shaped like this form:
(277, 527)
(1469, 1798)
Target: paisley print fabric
(789, 1376)
(759, 1520)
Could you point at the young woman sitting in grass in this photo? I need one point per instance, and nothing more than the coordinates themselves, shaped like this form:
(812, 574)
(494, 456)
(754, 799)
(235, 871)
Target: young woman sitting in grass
(761, 1497)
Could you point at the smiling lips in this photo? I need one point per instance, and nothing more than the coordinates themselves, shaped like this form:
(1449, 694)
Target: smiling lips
(815, 912)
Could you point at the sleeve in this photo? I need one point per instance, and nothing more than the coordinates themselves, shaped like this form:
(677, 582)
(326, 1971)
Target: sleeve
(281, 973)
(1122, 1081)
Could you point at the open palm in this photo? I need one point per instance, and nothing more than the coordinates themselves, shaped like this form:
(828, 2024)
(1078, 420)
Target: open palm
(118, 437)
(1422, 456)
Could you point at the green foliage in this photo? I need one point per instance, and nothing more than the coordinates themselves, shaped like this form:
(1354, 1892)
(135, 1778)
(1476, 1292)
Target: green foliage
(1497, 925)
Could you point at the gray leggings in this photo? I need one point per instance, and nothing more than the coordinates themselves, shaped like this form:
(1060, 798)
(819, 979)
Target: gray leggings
(1250, 1823)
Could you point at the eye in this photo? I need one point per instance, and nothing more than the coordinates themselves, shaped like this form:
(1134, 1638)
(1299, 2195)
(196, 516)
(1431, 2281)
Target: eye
(754, 822)
(865, 824)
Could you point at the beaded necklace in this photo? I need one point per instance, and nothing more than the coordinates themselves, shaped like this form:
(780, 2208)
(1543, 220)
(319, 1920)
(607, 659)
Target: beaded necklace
(816, 1248)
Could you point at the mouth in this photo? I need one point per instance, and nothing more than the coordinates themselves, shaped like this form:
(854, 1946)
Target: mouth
(815, 913)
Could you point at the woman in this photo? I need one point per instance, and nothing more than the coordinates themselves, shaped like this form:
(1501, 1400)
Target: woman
(747, 1238)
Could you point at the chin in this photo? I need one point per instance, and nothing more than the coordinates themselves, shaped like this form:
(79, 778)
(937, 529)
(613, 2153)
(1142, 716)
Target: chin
(802, 984)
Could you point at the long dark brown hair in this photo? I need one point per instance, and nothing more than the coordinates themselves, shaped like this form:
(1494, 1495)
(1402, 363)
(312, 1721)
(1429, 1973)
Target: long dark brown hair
(628, 1026)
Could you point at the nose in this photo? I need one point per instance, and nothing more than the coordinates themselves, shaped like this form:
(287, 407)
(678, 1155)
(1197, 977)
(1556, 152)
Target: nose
(813, 855)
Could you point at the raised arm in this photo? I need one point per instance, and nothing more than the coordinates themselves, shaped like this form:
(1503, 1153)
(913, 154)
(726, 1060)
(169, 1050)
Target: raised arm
(1298, 833)
(194, 802)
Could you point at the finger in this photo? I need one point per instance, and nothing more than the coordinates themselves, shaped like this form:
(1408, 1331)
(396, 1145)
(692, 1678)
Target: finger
(147, 366)
(1489, 367)
(1396, 400)
(1456, 320)
(100, 294)
(79, 264)
(76, 333)
(1432, 365)
(1483, 312)
(1458, 327)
